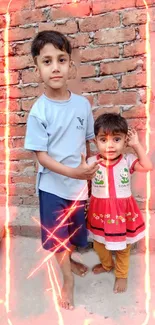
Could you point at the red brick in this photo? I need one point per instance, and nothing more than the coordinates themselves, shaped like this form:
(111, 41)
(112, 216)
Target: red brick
(23, 179)
(91, 99)
(17, 130)
(30, 76)
(18, 189)
(134, 17)
(20, 118)
(103, 110)
(70, 10)
(135, 112)
(110, 5)
(14, 106)
(98, 22)
(22, 49)
(142, 3)
(30, 201)
(69, 27)
(27, 104)
(19, 33)
(21, 167)
(97, 85)
(2, 22)
(28, 91)
(13, 200)
(119, 66)
(134, 80)
(11, 50)
(79, 40)
(14, 118)
(17, 142)
(27, 17)
(20, 62)
(20, 154)
(115, 35)
(135, 48)
(14, 5)
(3, 178)
(120, 98)
(13, 76)
(137, 124)
(43, 3)
(99, 53)
(87, 71)
(142, 31)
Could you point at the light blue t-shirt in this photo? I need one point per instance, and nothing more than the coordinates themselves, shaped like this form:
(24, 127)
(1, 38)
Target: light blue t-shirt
(60, 128)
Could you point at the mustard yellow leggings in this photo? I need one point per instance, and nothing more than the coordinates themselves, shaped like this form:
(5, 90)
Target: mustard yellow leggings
(121, 265)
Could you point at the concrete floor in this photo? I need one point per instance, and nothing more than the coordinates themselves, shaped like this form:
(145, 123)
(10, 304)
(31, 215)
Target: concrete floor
(95, 303)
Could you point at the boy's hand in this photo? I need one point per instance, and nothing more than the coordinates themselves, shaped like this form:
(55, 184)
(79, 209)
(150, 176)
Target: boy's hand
(85, 171)
(132, 138)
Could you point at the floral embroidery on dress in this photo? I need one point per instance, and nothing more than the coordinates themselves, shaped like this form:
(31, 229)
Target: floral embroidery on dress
(99, 178)
(124, 176)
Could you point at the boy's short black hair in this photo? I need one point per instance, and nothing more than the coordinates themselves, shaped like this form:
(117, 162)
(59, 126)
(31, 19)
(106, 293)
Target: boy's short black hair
(111, 123)
(57, 39)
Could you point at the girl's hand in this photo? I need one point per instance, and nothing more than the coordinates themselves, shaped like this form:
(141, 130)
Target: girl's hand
(132, 138)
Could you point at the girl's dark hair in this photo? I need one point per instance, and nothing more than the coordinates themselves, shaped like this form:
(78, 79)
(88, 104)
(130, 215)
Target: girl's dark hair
(57, 39)
(111, 123)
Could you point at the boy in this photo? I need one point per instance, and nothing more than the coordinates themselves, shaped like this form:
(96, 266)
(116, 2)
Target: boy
(59, 124)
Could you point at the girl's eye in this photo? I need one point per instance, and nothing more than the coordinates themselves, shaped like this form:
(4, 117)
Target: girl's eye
(117, 139)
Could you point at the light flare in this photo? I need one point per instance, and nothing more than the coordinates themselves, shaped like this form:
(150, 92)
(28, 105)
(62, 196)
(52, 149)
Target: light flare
(7, 158)
(87, 321)
(57, 239)
(148, 180)
(60, 319)
(52, 254)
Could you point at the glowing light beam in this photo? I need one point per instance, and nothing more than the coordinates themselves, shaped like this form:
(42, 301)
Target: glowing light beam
(148, 181)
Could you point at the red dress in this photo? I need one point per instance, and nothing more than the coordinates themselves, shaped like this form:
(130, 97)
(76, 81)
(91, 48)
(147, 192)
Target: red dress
(114, 217)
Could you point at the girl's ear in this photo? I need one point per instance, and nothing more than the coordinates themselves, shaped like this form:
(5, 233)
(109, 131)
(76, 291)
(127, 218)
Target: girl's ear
(126, 140)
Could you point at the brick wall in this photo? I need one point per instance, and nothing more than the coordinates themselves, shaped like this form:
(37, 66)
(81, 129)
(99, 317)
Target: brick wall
(108, 38)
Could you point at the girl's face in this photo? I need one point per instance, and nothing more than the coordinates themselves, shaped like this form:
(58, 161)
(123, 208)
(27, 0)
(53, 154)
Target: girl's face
(110, 146)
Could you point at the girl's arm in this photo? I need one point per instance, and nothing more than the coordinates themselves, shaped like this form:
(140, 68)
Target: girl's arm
(144, 163)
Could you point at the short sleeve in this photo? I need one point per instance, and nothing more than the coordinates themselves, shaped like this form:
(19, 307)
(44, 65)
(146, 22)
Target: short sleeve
(36, 138)
(131, 161)
(90, 125)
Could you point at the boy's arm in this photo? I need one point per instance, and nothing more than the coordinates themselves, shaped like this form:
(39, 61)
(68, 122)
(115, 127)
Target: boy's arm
(144, 163)
(83, 171)
(37, 140)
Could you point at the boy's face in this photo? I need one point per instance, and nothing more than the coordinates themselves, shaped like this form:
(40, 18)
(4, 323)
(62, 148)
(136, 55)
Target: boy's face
(53, 66)
(110, 146)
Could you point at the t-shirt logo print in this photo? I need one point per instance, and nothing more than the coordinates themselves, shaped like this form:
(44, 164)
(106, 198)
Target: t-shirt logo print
(81, 121)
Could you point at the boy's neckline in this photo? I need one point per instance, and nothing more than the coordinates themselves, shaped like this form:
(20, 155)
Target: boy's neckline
(112, 165)
(60, 101)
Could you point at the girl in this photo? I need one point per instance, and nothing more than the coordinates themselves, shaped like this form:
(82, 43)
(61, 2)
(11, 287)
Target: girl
(114, 219)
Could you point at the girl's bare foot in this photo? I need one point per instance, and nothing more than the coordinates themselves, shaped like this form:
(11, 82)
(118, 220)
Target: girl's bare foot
(78, 268)
(120, 285)
(66, 299)
(97, 269)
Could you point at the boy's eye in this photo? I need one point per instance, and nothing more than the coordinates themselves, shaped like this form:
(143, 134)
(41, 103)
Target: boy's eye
(103, 140)
(47, 62)
(62, 60)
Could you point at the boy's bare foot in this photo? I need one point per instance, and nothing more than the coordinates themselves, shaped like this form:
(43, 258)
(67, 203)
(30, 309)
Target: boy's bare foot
(120, 285)
(78, 268)
(66, 299)
(97, 269)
